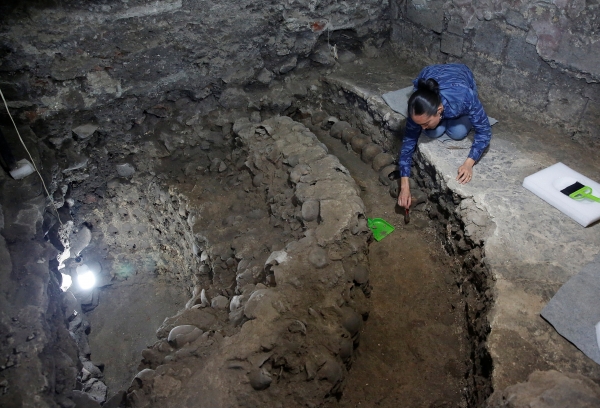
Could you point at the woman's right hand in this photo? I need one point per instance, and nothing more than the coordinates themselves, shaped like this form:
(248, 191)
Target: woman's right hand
(404, 198)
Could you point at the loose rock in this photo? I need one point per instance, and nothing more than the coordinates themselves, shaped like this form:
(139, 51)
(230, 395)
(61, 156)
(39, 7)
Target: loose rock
(85, 131)
(310, 210)
(265, 76)
(382, 160)
(337, 129)
(260, 379)
(358, 142)
(318, 117)
(318, 257)
(181, 335)
(369, 152)
(351, 320)
(349, 133)
(219, 302)
(125, 170)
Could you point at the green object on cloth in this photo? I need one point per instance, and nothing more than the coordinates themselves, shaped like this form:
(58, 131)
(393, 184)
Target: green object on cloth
(578, 191)
(380, 228)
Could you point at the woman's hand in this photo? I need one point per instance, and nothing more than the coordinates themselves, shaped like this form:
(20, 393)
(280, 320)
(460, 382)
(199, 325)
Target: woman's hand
(404, 198)
(465, 172)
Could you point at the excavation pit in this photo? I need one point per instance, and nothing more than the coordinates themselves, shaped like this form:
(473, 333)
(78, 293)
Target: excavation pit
(222, 226)
(225, 229)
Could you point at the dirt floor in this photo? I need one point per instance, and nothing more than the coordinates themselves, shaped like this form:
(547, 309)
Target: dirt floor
(413, 350)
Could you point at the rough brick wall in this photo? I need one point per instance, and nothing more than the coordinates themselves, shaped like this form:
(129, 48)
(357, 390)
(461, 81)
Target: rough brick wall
(58, 57)
(544, 56)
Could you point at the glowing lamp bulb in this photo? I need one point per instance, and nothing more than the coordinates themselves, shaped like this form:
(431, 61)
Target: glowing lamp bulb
(86, 279)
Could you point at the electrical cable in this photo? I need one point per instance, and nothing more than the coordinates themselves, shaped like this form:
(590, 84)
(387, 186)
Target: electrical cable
(31, 158)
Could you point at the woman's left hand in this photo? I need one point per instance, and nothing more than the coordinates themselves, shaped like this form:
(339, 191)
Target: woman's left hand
(465, 172)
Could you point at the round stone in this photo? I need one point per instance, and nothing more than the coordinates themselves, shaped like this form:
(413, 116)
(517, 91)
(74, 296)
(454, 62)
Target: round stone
(385, 172)
(319, 117)
(351, 320)
(361, 274)
(219, 302)
(358, 142)
(260, 379)
(338, 128)
(310, 210)
(382, 160)
(125, 170)
(257, 180)
(369, 152)
(349, 133)
(318, 257)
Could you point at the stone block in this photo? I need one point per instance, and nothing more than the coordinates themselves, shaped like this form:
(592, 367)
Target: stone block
(589, 124)
(425, 41)
(402, 33)
(429, 14)
(531, 38)
(526, 89)
(489, 39)
(565, 104)
(592, 91)
(456, 25)
(14, 90)
(435, 50)
(451, 44)
(564, 48)
(516, 19)
(521, 55)
(486, 72)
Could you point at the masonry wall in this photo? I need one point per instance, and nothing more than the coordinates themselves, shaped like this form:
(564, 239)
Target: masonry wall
(542, 56)
(81, 56)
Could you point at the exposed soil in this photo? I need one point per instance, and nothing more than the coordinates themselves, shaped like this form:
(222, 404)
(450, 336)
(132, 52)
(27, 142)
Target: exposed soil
(414, 347)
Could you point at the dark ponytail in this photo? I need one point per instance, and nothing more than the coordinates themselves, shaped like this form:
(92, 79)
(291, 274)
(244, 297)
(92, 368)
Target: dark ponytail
(426, 99)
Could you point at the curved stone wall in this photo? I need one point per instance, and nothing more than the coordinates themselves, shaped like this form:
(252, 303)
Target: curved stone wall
(281, 325)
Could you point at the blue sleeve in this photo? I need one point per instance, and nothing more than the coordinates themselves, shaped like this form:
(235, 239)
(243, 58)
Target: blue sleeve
(409, 144)
(481, 125)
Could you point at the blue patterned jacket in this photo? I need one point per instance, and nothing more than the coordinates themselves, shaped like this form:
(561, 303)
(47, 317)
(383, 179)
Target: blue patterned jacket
(459, 98)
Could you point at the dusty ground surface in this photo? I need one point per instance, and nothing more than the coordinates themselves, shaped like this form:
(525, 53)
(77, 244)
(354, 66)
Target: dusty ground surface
(413, 349)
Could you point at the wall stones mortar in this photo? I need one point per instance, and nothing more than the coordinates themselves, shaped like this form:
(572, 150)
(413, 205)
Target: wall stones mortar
(517, 51)
(87, 57)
